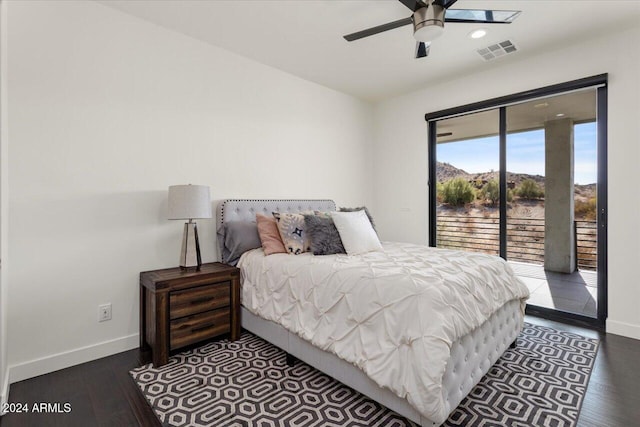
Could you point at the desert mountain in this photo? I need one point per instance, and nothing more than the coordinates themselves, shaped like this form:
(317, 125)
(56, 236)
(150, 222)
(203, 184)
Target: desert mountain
(446, 171)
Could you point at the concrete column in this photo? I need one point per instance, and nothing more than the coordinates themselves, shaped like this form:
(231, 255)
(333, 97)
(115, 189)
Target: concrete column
(559, 244)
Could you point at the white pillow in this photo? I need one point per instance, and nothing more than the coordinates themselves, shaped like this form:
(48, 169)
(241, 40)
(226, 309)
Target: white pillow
(356, 232)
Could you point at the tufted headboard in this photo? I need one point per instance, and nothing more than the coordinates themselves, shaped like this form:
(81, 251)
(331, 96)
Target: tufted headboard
(246, 209)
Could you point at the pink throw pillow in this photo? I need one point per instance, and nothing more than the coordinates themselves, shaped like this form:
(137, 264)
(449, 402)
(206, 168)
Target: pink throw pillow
(269, 235)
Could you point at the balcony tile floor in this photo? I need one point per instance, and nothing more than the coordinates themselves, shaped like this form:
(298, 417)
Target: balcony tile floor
(574, 293)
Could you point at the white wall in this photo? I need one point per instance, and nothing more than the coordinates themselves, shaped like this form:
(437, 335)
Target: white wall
(400, 153)
(4, 172)
(106, 112)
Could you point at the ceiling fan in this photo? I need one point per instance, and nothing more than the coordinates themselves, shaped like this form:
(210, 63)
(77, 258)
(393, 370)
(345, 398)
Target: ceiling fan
(428, 21)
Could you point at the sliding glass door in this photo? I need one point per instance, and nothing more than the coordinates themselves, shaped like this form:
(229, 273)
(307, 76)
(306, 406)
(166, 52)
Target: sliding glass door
(525, 180)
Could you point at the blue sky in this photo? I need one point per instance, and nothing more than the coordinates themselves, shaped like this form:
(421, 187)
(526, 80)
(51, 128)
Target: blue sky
(525, 153)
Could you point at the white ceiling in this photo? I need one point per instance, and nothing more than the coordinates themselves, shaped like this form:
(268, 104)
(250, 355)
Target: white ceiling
(304, 38)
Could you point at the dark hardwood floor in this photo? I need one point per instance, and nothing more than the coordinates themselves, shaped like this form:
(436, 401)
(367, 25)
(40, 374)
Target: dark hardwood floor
(102, 393)
(613, 395)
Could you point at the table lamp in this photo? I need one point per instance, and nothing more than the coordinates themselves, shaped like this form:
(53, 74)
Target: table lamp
(189, 202)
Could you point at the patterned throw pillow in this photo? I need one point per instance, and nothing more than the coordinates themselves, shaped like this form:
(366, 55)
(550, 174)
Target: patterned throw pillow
(291, 228)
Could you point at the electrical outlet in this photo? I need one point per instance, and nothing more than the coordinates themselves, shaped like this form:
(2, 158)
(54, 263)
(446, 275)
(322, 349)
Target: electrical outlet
(104, 312)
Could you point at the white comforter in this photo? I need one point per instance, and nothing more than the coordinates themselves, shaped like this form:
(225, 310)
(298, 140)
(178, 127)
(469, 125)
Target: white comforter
(394, 314)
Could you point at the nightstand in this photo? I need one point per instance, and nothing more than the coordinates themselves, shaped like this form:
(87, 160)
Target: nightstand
(180, 307)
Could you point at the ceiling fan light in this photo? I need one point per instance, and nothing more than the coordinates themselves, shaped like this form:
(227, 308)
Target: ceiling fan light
(428, 23)
(429, 32)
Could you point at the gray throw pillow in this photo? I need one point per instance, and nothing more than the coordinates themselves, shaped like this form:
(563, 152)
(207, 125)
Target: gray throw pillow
(323, 235)
(366, 211)
(238, 237)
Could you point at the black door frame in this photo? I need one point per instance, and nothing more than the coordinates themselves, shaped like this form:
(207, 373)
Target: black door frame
(600, 83)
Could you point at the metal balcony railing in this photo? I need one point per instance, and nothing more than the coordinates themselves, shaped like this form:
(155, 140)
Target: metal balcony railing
(525, 238)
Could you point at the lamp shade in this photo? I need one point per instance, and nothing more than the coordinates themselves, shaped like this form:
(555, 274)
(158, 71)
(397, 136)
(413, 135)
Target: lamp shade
(189, 202)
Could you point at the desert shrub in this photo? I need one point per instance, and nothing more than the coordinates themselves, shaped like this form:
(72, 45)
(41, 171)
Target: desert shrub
(490, 192)
(586, 210)
(457, 192)
(529, 189)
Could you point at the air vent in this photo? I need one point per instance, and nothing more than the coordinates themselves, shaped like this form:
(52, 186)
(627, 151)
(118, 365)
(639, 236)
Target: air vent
(497, 50)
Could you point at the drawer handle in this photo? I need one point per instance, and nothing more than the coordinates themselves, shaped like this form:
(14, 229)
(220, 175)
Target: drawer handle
(200, 328)
(201, 300)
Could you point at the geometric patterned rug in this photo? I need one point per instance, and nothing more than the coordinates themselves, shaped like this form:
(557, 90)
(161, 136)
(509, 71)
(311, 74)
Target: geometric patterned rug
(541, 382)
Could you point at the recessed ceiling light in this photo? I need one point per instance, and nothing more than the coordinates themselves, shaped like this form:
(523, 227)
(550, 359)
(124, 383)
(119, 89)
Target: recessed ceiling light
(478, 34)
(560, 115)
(541, 105)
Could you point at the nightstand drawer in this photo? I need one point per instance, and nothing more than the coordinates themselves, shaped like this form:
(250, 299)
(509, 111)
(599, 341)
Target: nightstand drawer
(198, 327)
(196, 300)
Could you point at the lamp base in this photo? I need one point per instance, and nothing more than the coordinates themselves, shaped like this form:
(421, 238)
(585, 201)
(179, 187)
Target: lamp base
(190, 253)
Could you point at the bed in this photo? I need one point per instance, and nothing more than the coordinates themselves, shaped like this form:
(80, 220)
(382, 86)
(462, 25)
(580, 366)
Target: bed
(459, 364)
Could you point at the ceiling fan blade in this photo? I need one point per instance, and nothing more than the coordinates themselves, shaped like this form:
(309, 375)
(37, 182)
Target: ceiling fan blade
(422, 49)
(481, 16)
(379, 29)
(413, 4)
(445, 3)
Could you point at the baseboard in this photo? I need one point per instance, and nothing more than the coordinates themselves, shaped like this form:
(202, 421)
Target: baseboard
(623, 328)
(55, 362)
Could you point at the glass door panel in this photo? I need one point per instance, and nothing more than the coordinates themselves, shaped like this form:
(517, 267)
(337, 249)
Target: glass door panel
(525, 195)
(551, 215)
(467, 174)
